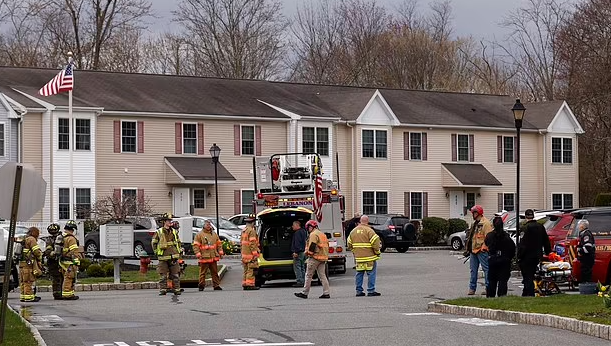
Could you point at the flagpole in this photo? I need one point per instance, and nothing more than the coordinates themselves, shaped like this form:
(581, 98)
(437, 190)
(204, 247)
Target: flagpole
(72, 143)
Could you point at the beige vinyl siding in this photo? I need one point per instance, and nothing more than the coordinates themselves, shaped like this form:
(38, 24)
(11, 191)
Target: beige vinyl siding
(32, 147)
(561, 177)
(374, 174)
(343, 146)
(148, 170)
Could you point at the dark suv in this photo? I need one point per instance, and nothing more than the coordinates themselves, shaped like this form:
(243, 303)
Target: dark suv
(394, 230)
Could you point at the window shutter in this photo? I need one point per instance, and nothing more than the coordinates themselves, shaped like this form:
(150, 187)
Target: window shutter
(178, 140)
(140, 196)
(200, 139)
(406, 201)
(425, 149)
(237, 202)
(499, 148)
(237, 150)
(141, 137)
(117, 194)
(515, 149)
(500, 201)
(471, 148)
(258, 140)
(425, 204)
(454, 153)
(117, 135)
(405, 145)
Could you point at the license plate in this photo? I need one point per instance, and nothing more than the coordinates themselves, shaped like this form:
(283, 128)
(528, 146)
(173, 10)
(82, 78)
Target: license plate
(332, 243)
(399, 237)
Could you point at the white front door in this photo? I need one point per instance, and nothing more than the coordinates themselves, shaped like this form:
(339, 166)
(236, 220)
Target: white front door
(182, 201)
(457, 203)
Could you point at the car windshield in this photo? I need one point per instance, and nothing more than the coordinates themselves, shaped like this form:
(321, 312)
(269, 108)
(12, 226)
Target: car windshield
(225, 224)
(399, 221)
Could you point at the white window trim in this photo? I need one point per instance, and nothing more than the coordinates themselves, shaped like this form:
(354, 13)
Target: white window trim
(410, 204)
(70, 201)
(551, 150)
(468, 146)
(242, 198)
(90, 134)
(316, 138)
(513, 149)
(551, 198)
(375, 156)
(514, 199)
(375, 200)
(57, 138)
(3, 123)
(409, 147)
(129, 121)
(254, 136)
(205, 196)
(182, 136)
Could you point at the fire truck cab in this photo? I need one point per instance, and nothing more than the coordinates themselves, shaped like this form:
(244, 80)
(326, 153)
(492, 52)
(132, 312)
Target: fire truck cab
(285, 191)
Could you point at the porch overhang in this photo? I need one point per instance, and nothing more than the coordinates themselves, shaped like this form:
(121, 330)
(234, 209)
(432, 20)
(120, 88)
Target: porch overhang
(467, 175)
(194, 171)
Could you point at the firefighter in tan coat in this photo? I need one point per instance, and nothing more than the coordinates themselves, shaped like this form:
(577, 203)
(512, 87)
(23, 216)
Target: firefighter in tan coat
(167, 247)
(30, 265)
(208, 249)
(317, 250)
(365, 245)
(250, 253)
(70, 260)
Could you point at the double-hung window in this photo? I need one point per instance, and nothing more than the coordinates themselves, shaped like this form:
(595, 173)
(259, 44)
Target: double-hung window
(128, 136)
(248, 140)
(374, 143)
(562, 201)
(375, 202)
(462, 147)
(82, 132)
(562, 150)
(189, 138)
(315, 140)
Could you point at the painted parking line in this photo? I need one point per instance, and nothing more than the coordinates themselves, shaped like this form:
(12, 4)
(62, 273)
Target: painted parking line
(199, 342)
(480, 322)
(421, 314)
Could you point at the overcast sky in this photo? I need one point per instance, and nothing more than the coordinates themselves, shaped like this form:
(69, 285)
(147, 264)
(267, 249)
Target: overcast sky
(479, 18)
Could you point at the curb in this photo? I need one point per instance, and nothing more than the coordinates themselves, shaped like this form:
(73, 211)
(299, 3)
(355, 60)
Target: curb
(124, 286)
(33, 330)
(566, 323)
(429, 248)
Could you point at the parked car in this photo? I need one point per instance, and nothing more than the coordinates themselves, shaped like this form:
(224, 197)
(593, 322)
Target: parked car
(20, 231)
(457, 240)
(238, 220)
(394, 230)
(144, 230)
(558, 226)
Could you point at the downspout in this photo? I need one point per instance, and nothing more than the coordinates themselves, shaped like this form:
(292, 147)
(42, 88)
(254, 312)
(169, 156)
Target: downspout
(545, 179)
(20, 136)
(51, 185)
(353, 169)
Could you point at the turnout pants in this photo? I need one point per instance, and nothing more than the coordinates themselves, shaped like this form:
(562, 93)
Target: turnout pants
(57, 279)
(248, 279)
(26, 282)
(69, 273)
(170, 278)
(498, 276)
(318, 267)
(214, 272)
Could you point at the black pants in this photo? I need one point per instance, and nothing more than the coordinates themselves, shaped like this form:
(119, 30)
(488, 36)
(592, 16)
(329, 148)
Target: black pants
(498, 275)
(587, 263)
(528, 269)
(56, 277)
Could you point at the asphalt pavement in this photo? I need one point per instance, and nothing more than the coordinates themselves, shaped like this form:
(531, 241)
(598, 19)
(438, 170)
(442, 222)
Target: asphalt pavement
(274, 316)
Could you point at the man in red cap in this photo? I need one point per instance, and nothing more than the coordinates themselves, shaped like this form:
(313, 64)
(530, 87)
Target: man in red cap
(476, 248)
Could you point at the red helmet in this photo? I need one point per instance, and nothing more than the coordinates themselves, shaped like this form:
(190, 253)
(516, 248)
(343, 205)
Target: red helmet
(477, 209)
(311, 223)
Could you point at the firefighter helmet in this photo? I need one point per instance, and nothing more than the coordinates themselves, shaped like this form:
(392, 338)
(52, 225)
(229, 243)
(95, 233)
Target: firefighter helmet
(70, 225)
(166, 216)
(311, 223)
(53, 229)
(477, 209)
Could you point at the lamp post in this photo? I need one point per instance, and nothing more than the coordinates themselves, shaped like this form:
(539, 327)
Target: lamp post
(518, 115)
(215, 152)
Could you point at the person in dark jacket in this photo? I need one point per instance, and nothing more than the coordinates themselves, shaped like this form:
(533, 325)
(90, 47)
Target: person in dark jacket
(530, 251)
(501, 250)
(586, 250)
(298, 248)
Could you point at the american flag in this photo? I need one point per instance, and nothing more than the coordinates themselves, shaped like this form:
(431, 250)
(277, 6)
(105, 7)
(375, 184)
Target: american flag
(318, 196)
(63, 81)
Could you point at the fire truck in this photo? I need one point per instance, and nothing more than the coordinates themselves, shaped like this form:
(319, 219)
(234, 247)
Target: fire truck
(285, 191)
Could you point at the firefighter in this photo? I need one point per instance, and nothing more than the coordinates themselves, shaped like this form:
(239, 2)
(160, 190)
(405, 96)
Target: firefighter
(586, 250)
(250, 253)
(317, 251)
(69, 260)
(208, 249)
(52, 257)
(30, 266)
(167, 247)
(365, 245)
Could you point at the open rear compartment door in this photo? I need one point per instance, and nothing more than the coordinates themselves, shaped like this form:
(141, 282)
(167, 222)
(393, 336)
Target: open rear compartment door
(275, 232)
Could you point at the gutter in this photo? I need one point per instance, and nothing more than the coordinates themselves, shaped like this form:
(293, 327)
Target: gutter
(20, 136)
(197, 116)
(353, 165)
(545, 200)
(480, 128)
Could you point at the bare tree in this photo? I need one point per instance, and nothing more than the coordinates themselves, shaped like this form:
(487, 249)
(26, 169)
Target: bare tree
(116, 208)
(490, 72)
(234, 38)
(169, 53)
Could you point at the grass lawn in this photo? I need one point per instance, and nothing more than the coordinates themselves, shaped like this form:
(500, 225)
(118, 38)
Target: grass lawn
(16, 333)
(191, 273)
(581, 307)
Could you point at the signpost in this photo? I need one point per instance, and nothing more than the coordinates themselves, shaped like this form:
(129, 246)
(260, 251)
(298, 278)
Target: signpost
(17, 180)
(116, 242)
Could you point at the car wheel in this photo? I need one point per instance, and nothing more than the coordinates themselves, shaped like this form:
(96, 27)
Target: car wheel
(138, 249)
(456, 244)
(92, 248)
(382, 245)
(402, 249)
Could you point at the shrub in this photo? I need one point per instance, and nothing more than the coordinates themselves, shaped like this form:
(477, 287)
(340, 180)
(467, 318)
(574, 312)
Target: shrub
(603, 199)
(85, 263)
(429, 237)
(109, 269)
(96, 271)
(457, 225)
(227, 247)
(437, 224)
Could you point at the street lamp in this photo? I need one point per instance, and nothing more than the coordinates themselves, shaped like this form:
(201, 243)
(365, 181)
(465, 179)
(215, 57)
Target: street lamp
(215, 152)
(518, 115)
